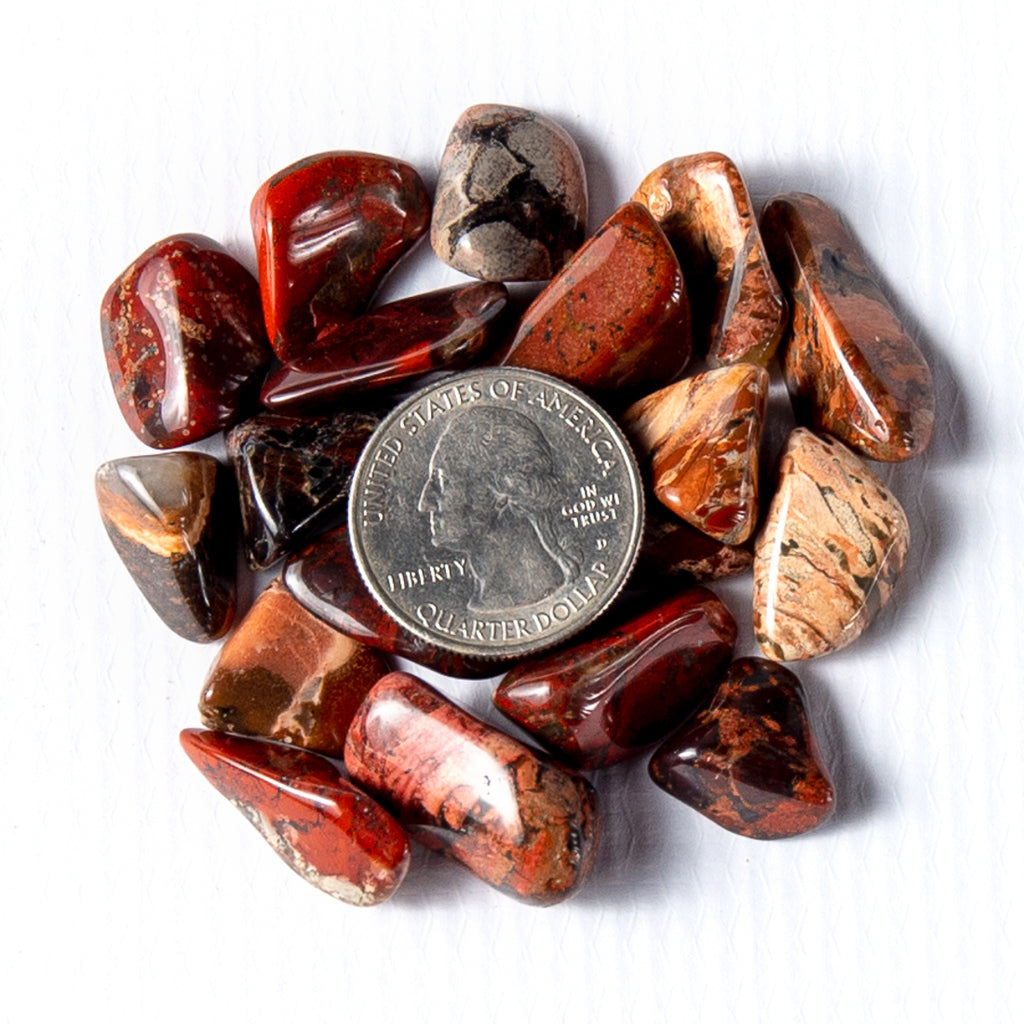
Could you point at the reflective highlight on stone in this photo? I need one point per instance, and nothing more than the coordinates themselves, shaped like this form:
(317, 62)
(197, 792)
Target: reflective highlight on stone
(328, 229)
(184, 340)
(749, 761)
(322, 827)
(604, 700)
(702, 436)
(173, 525)
(702, 204)
(516, 820)
(832, 545)
(285, 675)
(511, 201)
(852, 369)
(671, 547)
(617, 316)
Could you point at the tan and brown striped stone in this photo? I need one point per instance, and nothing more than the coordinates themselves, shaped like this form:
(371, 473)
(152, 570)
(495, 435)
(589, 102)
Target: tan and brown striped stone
(852, 369)
(701, 436)
(832, 545)
(702, 204)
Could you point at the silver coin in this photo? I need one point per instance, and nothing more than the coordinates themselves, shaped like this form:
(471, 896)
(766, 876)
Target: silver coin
(496, 512)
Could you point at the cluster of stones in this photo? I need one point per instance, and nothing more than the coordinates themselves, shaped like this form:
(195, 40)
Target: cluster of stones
(304, 683)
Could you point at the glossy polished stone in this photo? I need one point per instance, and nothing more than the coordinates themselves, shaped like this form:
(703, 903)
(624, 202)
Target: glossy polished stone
(328, 229)
(285, 675)
(604, 700)
(832, 545)
(326, 830)
(511, 200)
(448, 330)
(701, 202)
(324, 579)
(749, 761)
(851, 368)
(671, 547)
(173, 525)
(184, 340)
(293, 477)
(701, 438)
(617, 315)
(521, 823)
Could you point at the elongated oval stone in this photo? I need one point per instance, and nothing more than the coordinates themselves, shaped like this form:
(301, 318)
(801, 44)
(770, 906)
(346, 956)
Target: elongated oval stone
(328, 229)
(184, 340)
(518, 821)
(702, 204)
(322, 827)
(511, 200)
(851, 368)
(285, 675)
(172, 520)
(832, 545)
(603, 701)
(750, 761)
(448, 330)
(617, 316)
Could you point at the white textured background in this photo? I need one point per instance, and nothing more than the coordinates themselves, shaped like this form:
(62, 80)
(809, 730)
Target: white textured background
(130, 887)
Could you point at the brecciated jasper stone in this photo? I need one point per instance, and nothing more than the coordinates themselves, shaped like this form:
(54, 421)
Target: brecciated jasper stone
(517, 820)
(184, 340)
(293, 477)
(851, 368)
(325, 829)
(831, 547)
(285, 675)
(174, 527)
(327, 230)
(511, 200)
(749, 761)
(324, 579)
(604, 700)
(701, 437)
(701, 202)
(448, 329)
(617, 316)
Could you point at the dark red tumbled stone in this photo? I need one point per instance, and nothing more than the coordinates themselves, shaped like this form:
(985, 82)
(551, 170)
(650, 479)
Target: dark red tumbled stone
(184, 340)
(749, 761)
(334, 836)
(515, 819)
(604, 700)
(328, 229)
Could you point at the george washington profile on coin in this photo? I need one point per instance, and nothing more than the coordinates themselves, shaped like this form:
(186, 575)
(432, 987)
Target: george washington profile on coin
(492, 494)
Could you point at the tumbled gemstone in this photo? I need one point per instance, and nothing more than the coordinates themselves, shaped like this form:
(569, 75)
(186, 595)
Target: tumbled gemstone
(285, 675)
(293, 477)
(184, 340)
(617, 315)
(448, 329)
(334, 836)
(851, 368)
(327, 230)
(511, 200)
(832, 545)
(604, 700)
(172, 520)
(701, 437)
(750, 761)
(702, 204)
(518, 821)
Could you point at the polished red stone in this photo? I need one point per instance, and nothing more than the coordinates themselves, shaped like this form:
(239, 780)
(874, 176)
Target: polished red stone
(515, 819)
(749, 761)
(604, 700)
(334, 836)
(616, 316)
(448, 329)
(184, 340)
(327, 230)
